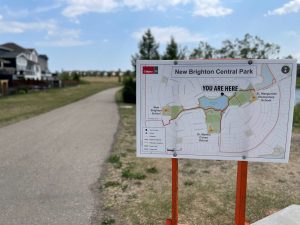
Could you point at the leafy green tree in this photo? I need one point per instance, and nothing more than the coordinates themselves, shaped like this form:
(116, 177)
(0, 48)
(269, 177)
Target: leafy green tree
(204, 51)
(248, 47)
(173, 51)
(227, 50)
(148, 48)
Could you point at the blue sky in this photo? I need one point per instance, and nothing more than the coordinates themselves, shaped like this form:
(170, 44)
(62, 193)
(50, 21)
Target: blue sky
(103, 34)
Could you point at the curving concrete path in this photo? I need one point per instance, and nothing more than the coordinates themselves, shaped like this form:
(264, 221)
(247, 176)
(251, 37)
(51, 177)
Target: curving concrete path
(48, 163)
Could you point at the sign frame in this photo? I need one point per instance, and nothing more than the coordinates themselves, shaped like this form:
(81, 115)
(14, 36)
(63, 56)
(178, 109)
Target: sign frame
(153, 69)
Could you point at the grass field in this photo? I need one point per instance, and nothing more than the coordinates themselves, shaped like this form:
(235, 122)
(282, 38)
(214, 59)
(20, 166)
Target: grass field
(137, 191)
(18, 107)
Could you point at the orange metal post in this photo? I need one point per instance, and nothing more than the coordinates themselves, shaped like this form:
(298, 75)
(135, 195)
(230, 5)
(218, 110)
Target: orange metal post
(241, 192)
(174, 191)
(174, 220)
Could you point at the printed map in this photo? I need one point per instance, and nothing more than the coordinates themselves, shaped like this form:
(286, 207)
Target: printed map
(215, 109)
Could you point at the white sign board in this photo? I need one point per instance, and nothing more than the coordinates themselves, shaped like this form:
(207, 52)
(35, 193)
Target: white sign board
(215, 109)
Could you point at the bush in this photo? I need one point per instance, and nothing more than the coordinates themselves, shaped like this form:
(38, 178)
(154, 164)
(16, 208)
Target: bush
(75, 76)
(128, 91)
(297, 115)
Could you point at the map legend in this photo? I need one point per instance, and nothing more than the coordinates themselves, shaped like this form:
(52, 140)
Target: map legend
(154, 140)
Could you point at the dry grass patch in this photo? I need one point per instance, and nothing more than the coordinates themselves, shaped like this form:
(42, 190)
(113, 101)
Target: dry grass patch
(207, 188)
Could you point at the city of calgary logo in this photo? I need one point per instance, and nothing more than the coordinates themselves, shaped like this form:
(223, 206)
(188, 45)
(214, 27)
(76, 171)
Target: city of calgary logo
(150, 69)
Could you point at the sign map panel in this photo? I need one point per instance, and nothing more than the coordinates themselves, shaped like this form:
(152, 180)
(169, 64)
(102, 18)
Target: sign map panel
(215, 109)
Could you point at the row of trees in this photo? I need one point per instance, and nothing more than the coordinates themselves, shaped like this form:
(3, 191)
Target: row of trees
(247, 47)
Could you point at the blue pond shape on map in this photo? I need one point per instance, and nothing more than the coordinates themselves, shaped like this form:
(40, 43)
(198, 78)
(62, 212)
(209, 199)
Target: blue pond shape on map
(219, 103)
(267, 77)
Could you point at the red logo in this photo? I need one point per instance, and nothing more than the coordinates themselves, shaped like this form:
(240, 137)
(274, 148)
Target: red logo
(150, 70)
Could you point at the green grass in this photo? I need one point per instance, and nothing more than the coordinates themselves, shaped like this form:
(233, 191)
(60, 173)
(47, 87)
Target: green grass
(19, 107)
(115, 160)
(127, 173)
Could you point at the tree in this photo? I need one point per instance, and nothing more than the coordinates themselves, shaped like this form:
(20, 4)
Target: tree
(248, 47)
(204, 51)
(288, 57)
(173, 52)
(148, 48)
(227, 50)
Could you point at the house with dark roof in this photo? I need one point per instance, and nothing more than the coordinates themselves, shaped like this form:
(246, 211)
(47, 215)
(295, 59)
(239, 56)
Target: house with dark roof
(43, 62)
(2, 62)
(23, 62)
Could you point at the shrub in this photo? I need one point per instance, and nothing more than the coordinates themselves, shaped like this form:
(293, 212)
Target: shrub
(297, 115)
(128, 91)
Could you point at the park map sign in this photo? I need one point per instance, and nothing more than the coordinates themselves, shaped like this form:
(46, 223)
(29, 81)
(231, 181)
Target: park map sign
(215, 109)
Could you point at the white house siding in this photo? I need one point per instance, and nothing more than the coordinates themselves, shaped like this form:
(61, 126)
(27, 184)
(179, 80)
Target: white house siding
(21, 62)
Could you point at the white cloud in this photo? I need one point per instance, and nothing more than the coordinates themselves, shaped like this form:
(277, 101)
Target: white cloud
(64, 38)
(153, 4)
(205, 8)
(55, 35)
(64, 42)
(290, 7)
(23, 13)
(208, 8)
(47, 8)
(21, 27)
(77, 7)
(163, 34)
(14, 13)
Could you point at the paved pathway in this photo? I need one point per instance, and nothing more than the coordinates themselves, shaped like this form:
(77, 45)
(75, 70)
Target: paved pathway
(48, 163)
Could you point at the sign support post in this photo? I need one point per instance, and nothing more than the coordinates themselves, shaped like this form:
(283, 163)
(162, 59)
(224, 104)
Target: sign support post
(174, 220)
(241, 193)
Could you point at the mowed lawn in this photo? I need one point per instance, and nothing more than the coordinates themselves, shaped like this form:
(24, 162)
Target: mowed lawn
(18, 107)
(137, 191)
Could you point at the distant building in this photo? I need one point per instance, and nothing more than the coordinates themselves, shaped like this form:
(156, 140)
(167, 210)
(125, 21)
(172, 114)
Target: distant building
(23, 62)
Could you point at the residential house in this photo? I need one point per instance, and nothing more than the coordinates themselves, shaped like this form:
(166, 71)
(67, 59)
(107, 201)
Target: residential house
(23, 62)
(43, 62)
(2, 62)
